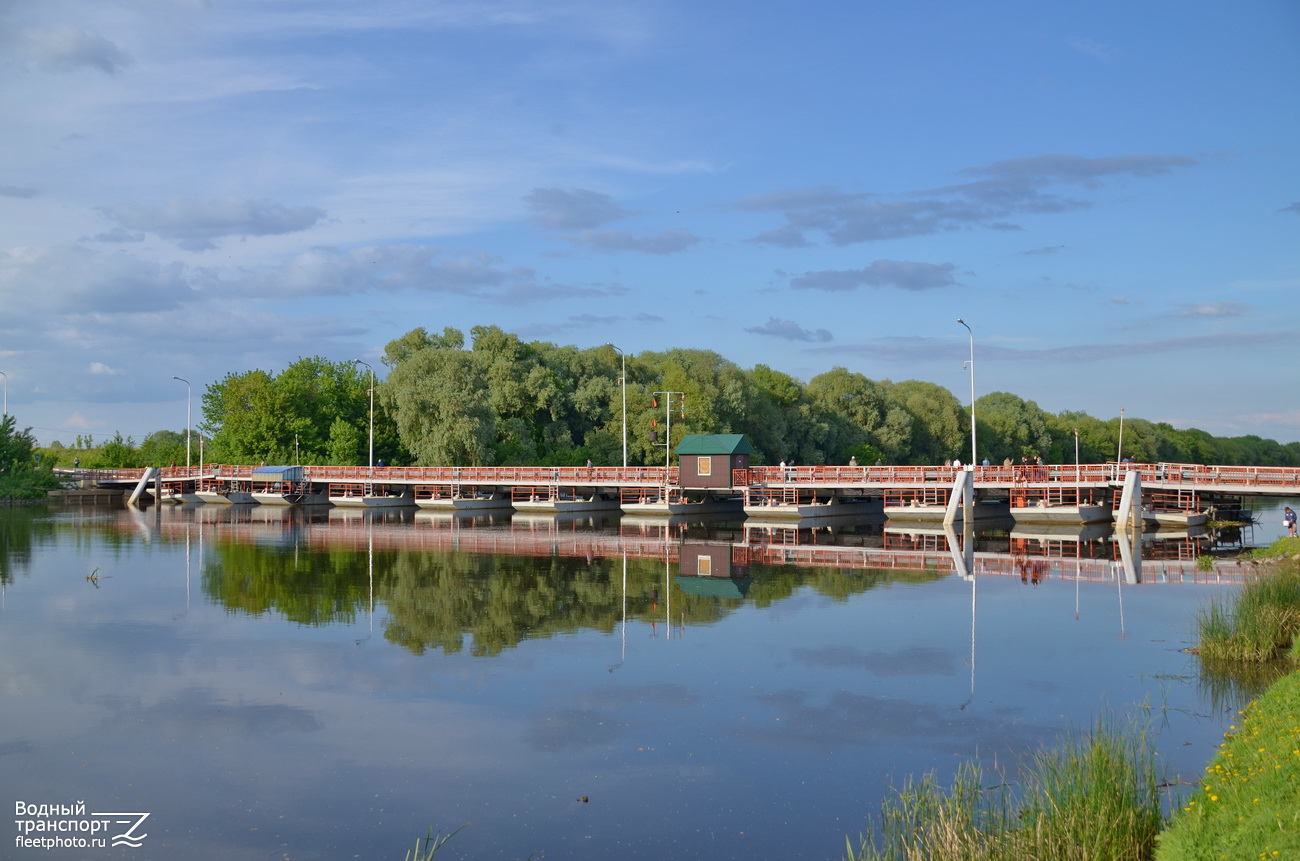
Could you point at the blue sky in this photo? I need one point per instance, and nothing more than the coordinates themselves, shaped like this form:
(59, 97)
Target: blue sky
(1109, 193)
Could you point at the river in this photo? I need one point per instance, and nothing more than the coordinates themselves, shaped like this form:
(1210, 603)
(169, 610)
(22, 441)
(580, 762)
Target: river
(330, 685)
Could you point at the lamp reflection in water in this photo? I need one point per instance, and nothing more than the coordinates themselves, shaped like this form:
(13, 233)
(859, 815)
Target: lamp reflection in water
(963, 558)
(622, 654)
(370, 576)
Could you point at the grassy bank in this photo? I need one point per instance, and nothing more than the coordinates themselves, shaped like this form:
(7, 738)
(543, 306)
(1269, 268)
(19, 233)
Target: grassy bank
(1261, 622)
(1099, 797)
(1248, 802)
(1096, 797)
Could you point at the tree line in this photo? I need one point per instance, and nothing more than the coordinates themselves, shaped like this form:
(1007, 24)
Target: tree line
(498, 400)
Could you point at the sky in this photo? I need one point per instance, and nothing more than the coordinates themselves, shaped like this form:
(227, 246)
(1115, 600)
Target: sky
(1108, 193)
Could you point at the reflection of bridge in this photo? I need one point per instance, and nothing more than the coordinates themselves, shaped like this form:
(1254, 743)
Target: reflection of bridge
(1086, 555)
(1164, 486)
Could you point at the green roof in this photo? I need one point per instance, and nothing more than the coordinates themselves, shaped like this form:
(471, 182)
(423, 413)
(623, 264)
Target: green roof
(714, 443)
(714, 587)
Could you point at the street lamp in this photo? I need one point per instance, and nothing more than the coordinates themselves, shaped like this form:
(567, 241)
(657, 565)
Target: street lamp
(372, 414)
(1119, 451)
(971, 365)
(187, 420)
(624, 381)
(6, 376)
(668, 429)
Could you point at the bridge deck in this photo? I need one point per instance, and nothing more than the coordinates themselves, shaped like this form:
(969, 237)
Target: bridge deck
(1231, 480)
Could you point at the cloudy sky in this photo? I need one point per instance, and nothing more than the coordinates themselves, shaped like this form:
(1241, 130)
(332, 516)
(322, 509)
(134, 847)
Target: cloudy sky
(1108, 193)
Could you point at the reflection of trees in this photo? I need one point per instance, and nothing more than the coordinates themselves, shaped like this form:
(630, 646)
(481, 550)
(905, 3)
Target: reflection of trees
(310, 588)
(437, 599)
(441, 599)
(775, 583)
(18, 527)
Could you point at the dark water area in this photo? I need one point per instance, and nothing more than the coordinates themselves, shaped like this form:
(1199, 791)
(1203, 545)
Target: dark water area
(329, 685)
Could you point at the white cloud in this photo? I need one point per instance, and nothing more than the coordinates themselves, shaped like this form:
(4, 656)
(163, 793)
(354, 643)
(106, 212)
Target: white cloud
(572, 208)
(195, 224)
(614, 241)
(1213, 309)
(789, 331)
(901, 274)
(63, 47)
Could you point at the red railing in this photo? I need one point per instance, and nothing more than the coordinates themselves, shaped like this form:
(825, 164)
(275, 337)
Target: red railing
(1168, 475)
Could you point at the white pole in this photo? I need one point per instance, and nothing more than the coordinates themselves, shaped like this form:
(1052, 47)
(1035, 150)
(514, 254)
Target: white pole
(624, 355)
(973, 461)
(6, 376)
(187, 420)
(372, 415)
(1119, 452)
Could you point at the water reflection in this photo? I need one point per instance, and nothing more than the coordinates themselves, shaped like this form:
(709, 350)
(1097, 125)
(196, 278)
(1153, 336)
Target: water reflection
(320, 683)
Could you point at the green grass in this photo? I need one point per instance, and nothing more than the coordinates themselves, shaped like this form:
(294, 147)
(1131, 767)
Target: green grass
(426, 847)
(1260, 623)
(1097, 797)
(1248, 802)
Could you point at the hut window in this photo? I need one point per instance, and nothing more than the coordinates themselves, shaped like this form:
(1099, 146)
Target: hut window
(706, 566)
(704, 466)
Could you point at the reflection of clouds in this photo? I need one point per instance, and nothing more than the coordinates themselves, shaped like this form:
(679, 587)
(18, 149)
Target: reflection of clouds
(200, 713)
(600, 715)
(913, 661)
(849, 719)
(665, 694)
(11, 747)
(566, 728)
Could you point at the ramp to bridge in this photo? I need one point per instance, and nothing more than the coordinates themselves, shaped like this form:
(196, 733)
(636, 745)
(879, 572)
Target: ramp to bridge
(150, 473)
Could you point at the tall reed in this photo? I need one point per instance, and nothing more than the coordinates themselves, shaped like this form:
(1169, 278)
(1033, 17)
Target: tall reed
(1097, 798)
(1259, 624)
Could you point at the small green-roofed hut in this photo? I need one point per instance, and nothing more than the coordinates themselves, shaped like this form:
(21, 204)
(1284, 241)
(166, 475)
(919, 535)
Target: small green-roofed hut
(706, 460)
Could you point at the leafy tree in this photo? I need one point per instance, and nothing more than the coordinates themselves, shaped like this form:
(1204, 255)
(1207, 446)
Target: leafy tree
(439, 404)
(1009, 426)
(118, 453)
(940, 427)
(23, 475)
(296, 414)
(871, 406)
(165, 447)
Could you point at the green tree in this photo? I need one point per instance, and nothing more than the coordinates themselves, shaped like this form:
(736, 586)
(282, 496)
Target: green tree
(244, 415)
(118, 453)
(439, 404)
(940, 427)
(870, 406)
(23, 475)
(1009, 426)
(165, 447)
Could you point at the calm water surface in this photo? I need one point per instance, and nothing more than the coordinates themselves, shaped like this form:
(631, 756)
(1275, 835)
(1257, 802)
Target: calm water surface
(329, 686)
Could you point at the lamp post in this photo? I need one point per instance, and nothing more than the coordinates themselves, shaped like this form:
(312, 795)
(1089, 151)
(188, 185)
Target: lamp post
(6, 376)
(668, 429)
(971, 365)
(187, 420)
(372, 414)
(1119, 452)
(623, 379)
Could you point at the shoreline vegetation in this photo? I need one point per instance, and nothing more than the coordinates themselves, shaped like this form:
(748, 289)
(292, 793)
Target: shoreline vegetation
(1099, 795)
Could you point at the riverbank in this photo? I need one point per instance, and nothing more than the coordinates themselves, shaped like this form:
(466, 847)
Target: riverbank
(1247, 803)
(1100, 797)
